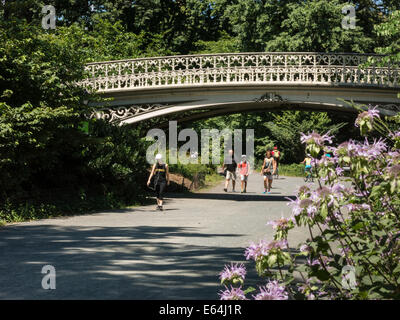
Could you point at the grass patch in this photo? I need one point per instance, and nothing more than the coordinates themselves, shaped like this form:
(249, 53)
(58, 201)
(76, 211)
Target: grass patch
(64, 204)
(291, 170)
(211, 180)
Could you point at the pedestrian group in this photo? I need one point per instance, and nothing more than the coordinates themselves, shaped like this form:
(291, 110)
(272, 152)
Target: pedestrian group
(160, 173)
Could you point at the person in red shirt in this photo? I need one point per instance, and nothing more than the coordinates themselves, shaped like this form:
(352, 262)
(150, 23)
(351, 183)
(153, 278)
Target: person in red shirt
(244, 173)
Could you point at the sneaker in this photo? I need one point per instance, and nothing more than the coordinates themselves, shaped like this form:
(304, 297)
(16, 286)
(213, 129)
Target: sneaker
(264, 192)
(161, 208)
(225, 189)
(269, 192)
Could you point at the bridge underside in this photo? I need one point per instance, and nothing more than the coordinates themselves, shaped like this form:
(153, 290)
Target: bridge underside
(188, 103)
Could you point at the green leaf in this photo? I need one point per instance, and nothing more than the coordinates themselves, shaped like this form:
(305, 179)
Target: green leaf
(271, 260)
(322, 275)
(249, 290)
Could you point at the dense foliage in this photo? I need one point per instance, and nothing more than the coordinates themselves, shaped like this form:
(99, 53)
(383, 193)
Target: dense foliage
(280, 129)
(46, 160)
(184, 26)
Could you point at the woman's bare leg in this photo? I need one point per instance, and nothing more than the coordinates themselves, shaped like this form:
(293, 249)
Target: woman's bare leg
(269, 184)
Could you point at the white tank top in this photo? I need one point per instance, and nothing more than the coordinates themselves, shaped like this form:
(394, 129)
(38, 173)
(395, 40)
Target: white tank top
(268, 163)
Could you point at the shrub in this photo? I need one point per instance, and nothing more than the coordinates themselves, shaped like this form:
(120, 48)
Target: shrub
(48, 165)
(353, 251)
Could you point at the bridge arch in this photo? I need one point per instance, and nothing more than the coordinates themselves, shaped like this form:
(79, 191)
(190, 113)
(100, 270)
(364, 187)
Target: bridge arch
(149, 88)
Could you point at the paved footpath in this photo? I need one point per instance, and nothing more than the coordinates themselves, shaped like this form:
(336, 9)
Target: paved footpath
(141, 253)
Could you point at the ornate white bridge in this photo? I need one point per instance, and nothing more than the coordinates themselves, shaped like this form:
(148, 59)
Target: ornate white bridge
(214, 84)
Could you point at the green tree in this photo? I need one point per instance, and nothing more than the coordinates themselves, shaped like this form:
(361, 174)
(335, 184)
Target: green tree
(317, 26)
(287, 126)
(111, 41)
(254, 22)
(280, 128)
(225, 44)
(180, 23)
(41, 106)
(42, 147)
(311, 25)
(389, 33)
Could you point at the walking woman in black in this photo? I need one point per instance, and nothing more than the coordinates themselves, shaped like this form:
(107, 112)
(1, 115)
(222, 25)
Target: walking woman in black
(161, 179)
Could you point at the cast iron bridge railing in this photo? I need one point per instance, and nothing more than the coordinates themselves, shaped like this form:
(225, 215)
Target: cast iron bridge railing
(242, 68)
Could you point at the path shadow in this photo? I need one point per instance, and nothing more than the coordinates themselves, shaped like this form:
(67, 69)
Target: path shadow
(142, 262)
(237, 196)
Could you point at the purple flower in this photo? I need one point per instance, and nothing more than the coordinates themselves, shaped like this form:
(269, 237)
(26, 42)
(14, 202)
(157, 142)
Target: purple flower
(326, 161)
(335, 216)
(393, 157)
(395, 134)
(321, 194)
(338, 188)
(315, 138)
(311, 211)
(282, 223)
(232, 294)
(313, 262)
(255, 251)
(232, 272)
(357, 207)
(305, 288)
(336, 192)
(272, 291)
(339, 171)
(303, 190)
(370, 151)
(305, 248)
(305, 203)
(369, 115)
(295, 204)
(308, 204)
(394, 171)
(316, 261)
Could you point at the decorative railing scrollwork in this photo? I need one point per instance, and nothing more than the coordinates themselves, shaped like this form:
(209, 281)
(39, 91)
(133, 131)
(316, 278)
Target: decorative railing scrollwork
(120, 113)
(230, 68)
(269, 97)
